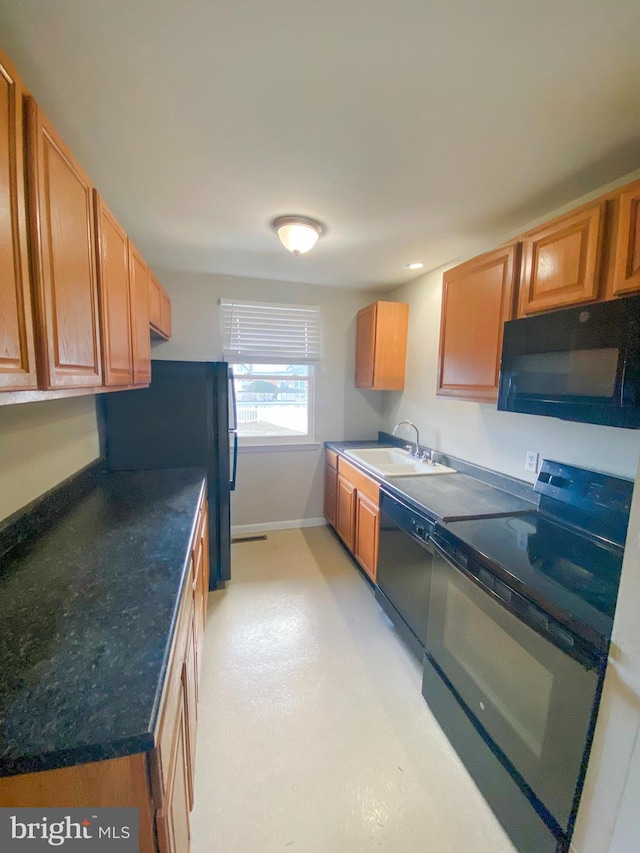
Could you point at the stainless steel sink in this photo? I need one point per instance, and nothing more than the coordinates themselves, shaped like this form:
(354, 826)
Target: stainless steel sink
(387, 462)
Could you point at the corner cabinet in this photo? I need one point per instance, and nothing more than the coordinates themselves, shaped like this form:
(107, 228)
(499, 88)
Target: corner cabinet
(561, 261)
(17, 346)
(381, 346)
(351, 506)
(477, 299)
(63, 259)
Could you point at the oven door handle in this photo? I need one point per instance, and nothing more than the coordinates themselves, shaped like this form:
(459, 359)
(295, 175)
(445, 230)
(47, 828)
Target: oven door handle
(527, 612)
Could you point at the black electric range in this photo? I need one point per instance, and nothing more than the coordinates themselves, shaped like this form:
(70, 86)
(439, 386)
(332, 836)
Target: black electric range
(567, 556)
(521, 610)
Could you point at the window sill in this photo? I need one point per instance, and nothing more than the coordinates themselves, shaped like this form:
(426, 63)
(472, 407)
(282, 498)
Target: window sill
(271, 448)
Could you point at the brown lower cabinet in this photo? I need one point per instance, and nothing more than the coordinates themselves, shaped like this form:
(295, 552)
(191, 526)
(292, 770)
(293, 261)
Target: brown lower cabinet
(365, 547)
(351, 506)
(158, 783)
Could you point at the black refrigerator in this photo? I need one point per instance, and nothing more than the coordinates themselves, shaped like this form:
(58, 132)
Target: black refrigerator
(186, 418)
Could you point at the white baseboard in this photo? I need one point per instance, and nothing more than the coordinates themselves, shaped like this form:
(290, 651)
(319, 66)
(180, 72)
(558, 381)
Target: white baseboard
(243, 529)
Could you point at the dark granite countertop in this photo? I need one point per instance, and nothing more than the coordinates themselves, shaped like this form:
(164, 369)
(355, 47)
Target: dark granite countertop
(87, 611)
(446, 497)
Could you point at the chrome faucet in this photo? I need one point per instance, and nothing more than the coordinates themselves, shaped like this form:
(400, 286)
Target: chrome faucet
(417, 450)
(429, 457)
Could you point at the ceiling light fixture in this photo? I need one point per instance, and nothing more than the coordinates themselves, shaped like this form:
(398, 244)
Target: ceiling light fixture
(298, 234)
(415, 266)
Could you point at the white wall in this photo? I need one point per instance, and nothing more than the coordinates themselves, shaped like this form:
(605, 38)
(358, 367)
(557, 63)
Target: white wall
(42, 444)
(279, 485)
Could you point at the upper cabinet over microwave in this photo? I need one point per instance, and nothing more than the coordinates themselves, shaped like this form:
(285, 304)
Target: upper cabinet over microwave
(561, 261)
(578, 364)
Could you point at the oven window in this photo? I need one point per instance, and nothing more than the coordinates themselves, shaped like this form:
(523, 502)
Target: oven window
(517, 684)
(577, 373)
(531, 699)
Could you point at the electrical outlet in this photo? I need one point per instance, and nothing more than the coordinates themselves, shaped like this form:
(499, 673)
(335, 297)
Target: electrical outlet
(531, 461)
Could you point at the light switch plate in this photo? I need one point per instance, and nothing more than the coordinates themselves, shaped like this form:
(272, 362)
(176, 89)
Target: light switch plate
(531, 461)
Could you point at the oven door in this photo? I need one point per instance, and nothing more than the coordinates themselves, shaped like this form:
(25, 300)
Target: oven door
(532, 702)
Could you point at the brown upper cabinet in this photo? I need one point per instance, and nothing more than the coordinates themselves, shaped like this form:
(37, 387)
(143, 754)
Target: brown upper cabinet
(63, 259)
(74, 293)
(381, 346)
(139, 280)
(561, 261)
(626, 251)
(477, 298)
(115, 297)
(159, 309)
(17, 348)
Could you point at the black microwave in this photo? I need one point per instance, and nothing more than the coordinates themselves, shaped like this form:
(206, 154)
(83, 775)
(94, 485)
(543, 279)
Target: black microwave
(578, 364)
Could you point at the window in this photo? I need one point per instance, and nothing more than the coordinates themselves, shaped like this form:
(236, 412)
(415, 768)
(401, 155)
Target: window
(274, 349)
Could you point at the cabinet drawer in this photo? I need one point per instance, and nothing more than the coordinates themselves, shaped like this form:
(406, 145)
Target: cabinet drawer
(358, 480)
(332, 459)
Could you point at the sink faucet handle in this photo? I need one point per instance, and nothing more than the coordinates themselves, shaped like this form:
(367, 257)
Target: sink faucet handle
(409, 448)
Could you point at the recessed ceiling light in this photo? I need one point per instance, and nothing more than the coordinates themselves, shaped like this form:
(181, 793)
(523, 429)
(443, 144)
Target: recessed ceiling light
(416, 266)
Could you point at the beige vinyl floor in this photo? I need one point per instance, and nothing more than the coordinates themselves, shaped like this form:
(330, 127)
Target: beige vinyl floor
(313, 735)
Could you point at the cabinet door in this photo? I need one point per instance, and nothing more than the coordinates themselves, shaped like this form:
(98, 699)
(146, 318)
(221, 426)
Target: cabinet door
(345, 512)
(155, 303)
(140, 317)
(115, 297)
(330, 493)
(366, 535)
(201, 587)
(561, 261)
(190, 679)
(626, 274)
(174, 832)
(365, 346)
(165, 313)
(477, 298)
(381, 346)
(65, 286)
(17, 348)
(206, 563)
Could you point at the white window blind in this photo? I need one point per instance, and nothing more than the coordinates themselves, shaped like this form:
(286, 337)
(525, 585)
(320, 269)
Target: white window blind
(270, 333)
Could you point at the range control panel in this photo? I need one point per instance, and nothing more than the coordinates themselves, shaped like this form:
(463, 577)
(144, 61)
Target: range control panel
(577, 494)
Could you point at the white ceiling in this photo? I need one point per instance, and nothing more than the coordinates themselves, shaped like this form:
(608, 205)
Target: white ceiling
(414, 130)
